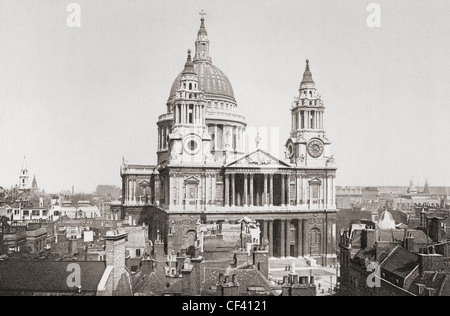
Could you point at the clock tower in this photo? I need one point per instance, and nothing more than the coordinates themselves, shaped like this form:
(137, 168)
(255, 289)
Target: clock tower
(189, 140)
(308, 145)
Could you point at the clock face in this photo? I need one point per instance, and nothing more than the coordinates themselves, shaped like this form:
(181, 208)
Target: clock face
(315, 148)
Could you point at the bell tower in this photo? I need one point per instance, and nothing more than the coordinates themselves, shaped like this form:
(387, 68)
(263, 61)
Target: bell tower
(189, 140)
(308, 144)
(23, 177)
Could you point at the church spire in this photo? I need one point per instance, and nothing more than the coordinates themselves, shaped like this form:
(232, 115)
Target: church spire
(23, 178)
(24, 163)
(202, 42)
(426, 188)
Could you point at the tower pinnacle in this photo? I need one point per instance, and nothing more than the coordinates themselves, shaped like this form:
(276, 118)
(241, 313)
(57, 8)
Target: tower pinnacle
(189, 66)
(307, 75)
(202, 42)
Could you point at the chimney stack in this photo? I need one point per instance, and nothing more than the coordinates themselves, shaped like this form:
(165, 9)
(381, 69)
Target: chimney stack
(115, 254)
(409, 243)
(261, 260)
(229, 287)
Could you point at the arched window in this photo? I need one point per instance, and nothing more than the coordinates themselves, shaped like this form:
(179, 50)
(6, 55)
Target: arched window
(315, 239)
(190, 86)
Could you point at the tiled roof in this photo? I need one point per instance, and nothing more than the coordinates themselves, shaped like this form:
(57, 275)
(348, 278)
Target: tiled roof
(401, 262)
(176, 288)
(436, 280)
(48, 277)
(215, 244)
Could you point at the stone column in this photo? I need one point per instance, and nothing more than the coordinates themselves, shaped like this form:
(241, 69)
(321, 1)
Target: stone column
(215, 137)
(172, 190)
(233, 189)
(213, 190)
(283, 192)
(187, 113)
(265, 235)
(206, 189)
(270, 238)
(271, 190)
(165, 138)
(251, 189)
(298, 187)
(288, 188)
(300, 238)
(227, 190)
(283, 238)
(159, 138)
(310, 196)
(134, 190)
(157, 189)
(308, 119)
(293, 120)
(180, 192)
(197, 116)
(127, 195)
(245, 191)
(265, 191)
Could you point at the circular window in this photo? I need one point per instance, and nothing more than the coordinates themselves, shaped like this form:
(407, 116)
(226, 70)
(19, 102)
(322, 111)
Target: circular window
(192, 145)
(290, 150)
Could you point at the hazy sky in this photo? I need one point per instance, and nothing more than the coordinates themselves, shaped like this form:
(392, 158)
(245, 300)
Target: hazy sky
(75, 100)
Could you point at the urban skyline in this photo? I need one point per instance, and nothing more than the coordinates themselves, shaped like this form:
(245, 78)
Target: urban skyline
(214, 182)
(73, 107)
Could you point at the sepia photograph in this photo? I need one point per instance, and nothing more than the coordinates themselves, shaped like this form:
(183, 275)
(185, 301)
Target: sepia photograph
(230, 150)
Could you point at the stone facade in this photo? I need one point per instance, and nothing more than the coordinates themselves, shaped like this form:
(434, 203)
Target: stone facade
(204, 175)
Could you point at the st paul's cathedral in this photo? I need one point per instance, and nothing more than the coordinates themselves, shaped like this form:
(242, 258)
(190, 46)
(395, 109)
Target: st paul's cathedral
(203, 174)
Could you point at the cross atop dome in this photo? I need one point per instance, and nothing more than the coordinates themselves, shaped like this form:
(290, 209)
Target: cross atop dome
(202, 13)
(202, 30)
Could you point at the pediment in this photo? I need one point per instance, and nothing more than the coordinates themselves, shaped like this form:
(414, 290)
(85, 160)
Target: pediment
(192, 179)
(315, 180)
(144, 184)
(259, 158)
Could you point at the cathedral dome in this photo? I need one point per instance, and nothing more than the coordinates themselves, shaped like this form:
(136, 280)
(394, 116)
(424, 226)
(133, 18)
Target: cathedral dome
(386, 221)
(211, 80)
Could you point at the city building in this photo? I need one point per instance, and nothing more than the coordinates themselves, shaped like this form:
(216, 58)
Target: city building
(203, 174)
(388, 261)
(21, 277)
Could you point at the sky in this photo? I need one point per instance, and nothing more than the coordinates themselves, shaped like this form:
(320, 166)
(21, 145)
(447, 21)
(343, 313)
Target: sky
(77, 100)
